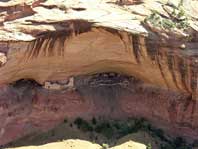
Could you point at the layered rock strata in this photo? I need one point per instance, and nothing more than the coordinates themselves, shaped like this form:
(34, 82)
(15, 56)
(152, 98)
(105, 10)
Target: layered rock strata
(58, 43)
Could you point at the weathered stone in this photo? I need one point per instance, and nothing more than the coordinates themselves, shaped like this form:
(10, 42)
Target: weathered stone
(51, 41)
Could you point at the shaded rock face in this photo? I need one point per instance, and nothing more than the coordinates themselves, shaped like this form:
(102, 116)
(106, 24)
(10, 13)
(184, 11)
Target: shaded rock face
(27, 107)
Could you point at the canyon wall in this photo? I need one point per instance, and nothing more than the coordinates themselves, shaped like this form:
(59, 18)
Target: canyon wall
(94, 59)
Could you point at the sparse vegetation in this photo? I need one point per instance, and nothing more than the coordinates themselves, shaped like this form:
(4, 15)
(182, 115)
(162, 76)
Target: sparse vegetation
(65, 120)
(180, 143)
(105, 146)
(149, 146)
(94, 121)
(108, 132)
(177, 19)
(83, 125)
(117, 129)
(105, 128)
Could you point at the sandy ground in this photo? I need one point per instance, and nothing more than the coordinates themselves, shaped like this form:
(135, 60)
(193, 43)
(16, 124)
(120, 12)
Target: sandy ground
(81, 144)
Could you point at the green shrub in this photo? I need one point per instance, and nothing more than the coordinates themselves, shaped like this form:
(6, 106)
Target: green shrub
(180, 143)
(117, 129)
(105, 128)
(83, 125)
(105, 146)
(178, 19)
(158, 133)
(65, 120)
(94, 121)
(166, 146)
(149, 146)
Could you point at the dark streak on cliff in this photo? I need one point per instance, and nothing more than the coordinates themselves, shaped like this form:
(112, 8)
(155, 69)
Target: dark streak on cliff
(151, 48)
(70, 28)
(136, 48)
(161, 68)
(183, 69)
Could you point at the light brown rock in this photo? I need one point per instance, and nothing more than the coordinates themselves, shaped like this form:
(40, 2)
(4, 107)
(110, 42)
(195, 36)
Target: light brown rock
(49, 41)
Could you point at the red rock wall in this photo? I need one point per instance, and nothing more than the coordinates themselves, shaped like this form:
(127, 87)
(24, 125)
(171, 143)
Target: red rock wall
(26, 107)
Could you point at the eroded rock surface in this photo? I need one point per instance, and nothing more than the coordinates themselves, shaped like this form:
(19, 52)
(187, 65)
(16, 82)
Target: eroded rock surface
(53, 42)
(27, 107)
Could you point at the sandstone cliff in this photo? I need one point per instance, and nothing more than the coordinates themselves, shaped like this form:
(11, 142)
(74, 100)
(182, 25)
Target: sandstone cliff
(97, 58)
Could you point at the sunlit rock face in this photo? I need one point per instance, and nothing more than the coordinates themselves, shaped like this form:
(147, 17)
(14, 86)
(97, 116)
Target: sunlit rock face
(55, 56)
(55, 60)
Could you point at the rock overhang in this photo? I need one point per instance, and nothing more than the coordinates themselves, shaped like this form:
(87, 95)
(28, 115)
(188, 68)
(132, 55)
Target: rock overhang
(56, 45)
(63, 54)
